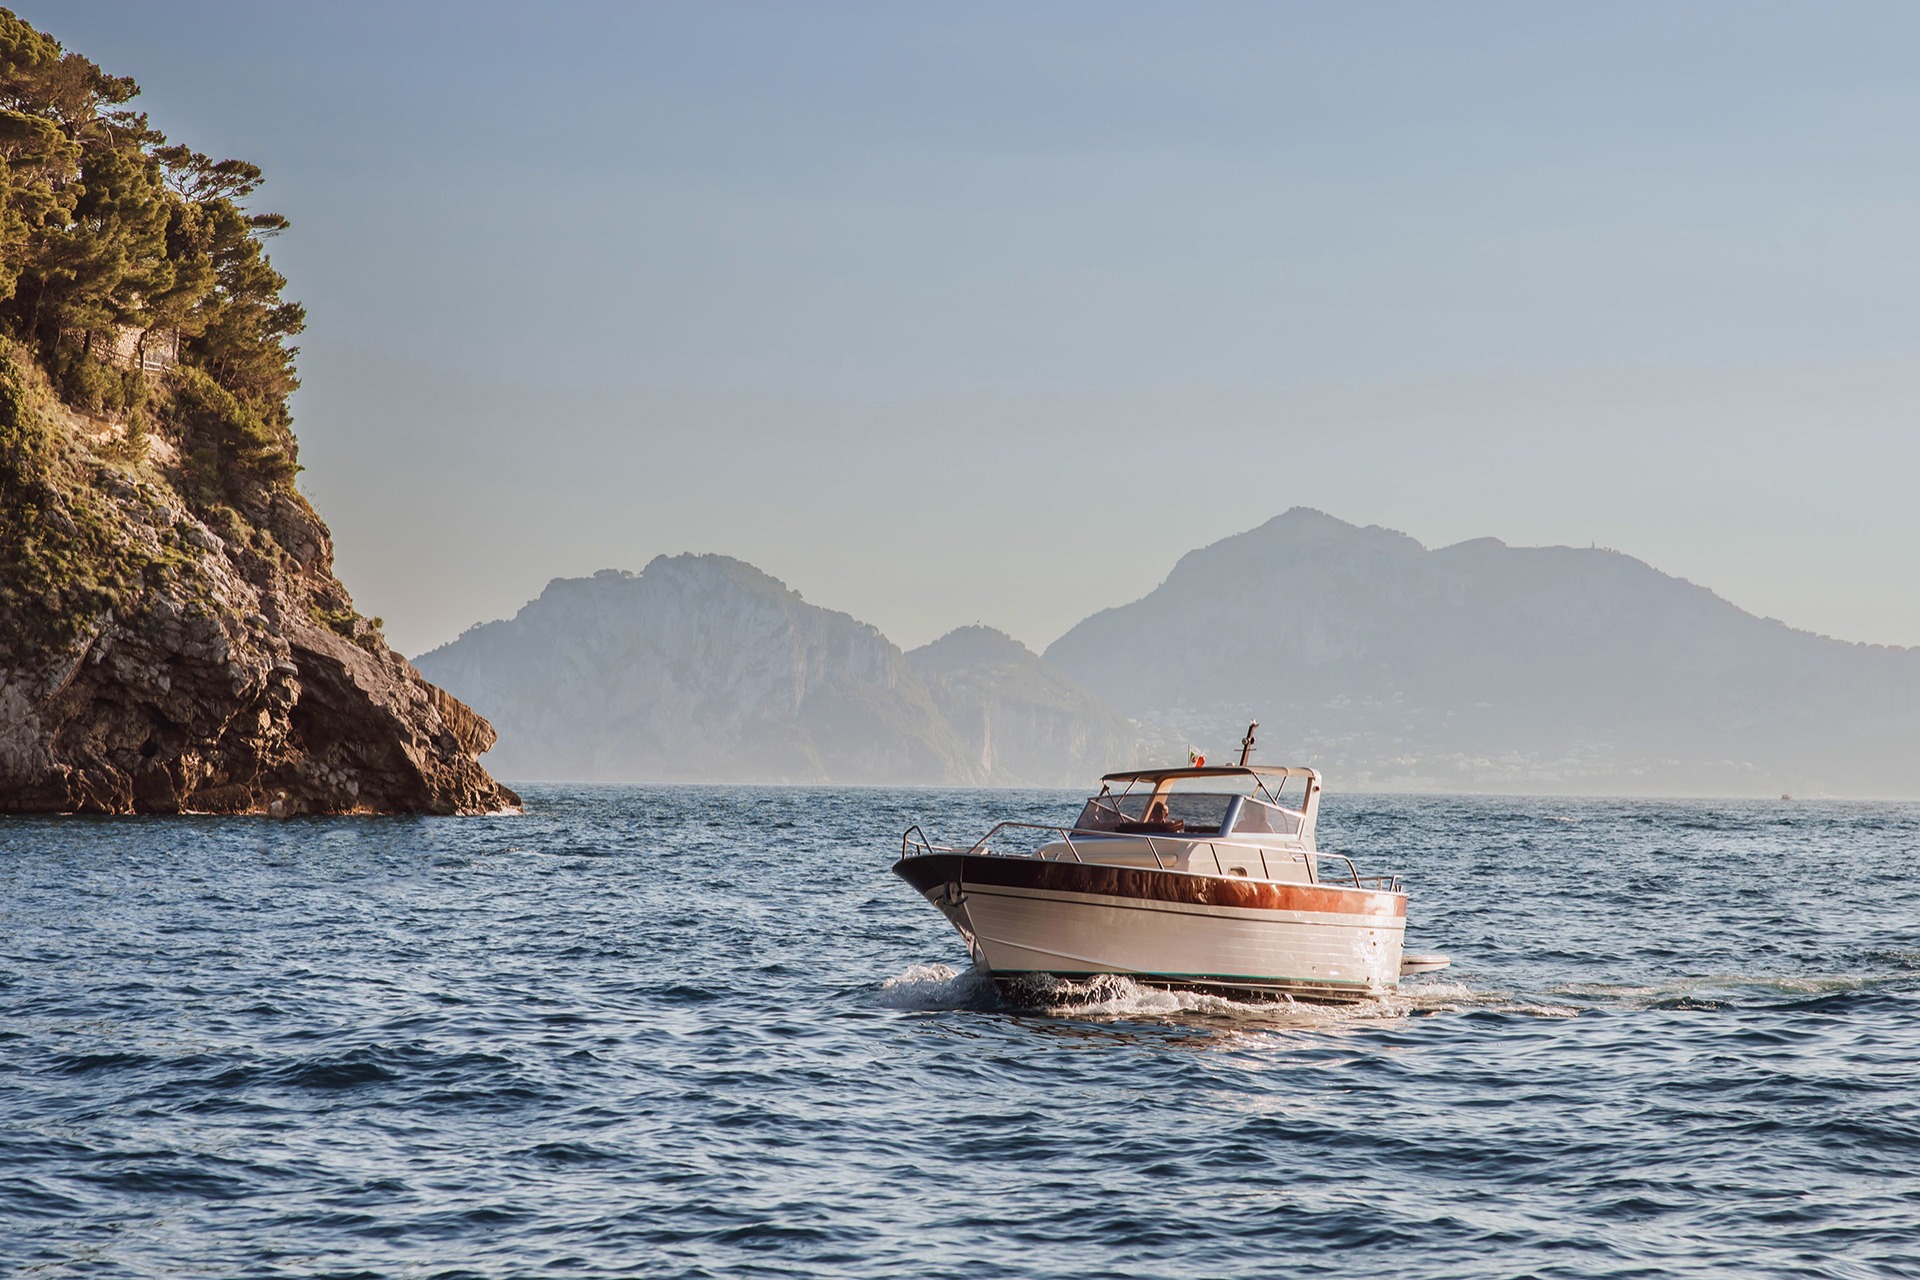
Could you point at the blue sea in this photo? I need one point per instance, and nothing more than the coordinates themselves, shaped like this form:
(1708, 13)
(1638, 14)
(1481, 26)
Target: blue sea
(704, 1032)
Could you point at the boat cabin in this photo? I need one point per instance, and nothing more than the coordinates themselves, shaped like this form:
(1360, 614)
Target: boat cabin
(1258, 803)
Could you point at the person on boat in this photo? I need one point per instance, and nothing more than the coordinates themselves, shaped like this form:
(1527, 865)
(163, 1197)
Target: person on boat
(1158, 819)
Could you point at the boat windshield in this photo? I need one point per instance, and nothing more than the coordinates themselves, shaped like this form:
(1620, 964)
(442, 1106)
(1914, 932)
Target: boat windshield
(1256, 816)
(1186, 812)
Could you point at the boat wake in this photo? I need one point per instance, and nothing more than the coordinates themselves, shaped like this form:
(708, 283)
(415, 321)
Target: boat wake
(1112, 995)
(1716, 991)
(1429, 997)
(1118, 997)
(1113, 998)
(934, 987)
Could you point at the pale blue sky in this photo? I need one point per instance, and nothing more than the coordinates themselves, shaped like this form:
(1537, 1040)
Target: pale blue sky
(988, 313)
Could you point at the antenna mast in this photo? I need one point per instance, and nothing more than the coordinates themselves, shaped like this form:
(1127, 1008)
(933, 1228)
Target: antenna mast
(1246, 743)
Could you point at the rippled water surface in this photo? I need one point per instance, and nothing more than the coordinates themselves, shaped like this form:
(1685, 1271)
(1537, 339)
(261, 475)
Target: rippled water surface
(664, 1032)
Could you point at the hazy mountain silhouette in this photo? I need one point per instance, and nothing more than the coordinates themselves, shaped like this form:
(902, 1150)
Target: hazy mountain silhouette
(1361, 651)
(1023, 720)
(1489, 665)
(704, 668)
(699, 667)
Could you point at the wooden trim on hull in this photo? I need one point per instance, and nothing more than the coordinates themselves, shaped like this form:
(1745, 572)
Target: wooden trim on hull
(930, 871)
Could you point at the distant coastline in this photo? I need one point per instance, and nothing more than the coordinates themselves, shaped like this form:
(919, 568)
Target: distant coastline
(1475, 668)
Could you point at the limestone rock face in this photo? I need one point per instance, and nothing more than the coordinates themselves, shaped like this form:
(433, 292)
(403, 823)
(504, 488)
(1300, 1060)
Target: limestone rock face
(166, 650)
(697, 668)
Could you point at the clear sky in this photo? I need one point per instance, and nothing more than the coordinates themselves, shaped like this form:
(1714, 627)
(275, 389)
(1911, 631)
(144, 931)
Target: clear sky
(948, 314)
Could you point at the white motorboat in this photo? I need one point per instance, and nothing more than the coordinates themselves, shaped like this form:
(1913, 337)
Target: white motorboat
(1200, 877)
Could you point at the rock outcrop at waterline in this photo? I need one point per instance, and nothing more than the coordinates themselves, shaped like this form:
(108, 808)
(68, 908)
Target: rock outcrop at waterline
(166, 647)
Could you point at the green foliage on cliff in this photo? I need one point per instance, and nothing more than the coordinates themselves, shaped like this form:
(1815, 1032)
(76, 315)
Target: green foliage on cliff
(107, 230)
(229, 446)
(115, 243)
(61, 559)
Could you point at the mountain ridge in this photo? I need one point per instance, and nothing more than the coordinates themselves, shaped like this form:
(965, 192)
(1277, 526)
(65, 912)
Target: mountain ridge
(1378, 649)
(1476, 665)
(703, 667)
(1023, 720)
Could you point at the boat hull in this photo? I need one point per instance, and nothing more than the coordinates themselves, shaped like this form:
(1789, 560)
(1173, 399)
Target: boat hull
(1024, 918)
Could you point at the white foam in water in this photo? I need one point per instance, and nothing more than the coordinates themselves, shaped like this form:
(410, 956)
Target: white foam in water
(936, 986)
(1114, 996)
(1455, 997)
(932, 987)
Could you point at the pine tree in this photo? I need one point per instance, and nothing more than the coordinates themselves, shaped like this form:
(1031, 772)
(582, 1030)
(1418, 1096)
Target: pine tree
(105, 226)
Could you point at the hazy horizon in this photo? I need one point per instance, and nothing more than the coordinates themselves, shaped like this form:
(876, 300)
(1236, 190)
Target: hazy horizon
(917, 641)
(989, 316)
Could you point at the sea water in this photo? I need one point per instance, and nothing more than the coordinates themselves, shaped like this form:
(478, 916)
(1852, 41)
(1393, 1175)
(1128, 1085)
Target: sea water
(704, 1032)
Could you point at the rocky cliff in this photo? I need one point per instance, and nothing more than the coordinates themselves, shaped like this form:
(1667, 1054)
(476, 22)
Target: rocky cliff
(697, 668)
(172, 637)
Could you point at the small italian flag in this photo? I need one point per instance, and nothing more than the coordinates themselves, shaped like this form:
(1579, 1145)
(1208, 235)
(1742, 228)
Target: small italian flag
(1196, 757)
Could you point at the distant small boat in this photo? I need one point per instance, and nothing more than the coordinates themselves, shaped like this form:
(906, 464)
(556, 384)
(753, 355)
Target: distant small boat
(1200, 877)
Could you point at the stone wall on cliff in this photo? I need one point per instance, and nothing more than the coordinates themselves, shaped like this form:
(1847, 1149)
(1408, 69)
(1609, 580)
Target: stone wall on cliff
(172, 638)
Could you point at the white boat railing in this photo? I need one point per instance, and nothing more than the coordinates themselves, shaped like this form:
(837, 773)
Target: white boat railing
(914, 843)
